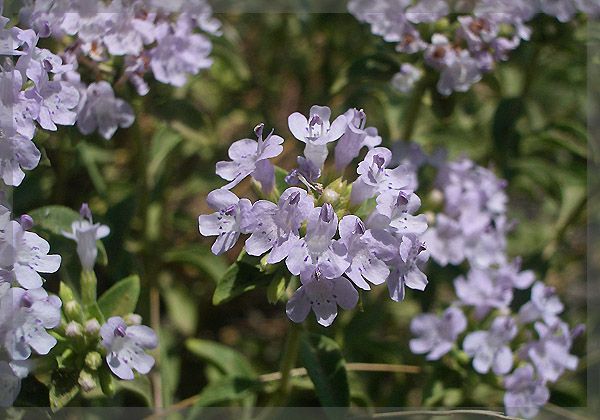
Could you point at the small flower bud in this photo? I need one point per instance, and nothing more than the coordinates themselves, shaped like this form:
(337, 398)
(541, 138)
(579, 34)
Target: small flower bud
(133, 319)
(436, 197)
(92, 327)
(73, 329)
(86, 381)
(73, 310)
(93, 360)
(26, 222)
(85, 212)
(330, 196)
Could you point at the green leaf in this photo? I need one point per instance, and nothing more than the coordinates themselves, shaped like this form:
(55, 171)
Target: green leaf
(164, 142)
(228, 360)
(326, 368)
(241, 277)
(121, 299)
(276, 289)
(227, 389)
(200, 257)
(182, 308)
(57, 220)
(63, 388)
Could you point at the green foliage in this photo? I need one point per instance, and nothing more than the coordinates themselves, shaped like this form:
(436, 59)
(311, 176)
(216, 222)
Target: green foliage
(121, 299)
(326, 368)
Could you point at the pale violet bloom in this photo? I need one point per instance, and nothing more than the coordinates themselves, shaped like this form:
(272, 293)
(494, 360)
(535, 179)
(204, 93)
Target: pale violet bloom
(318, 252)
(445, 241)
(511, 273)
(24, 319)
(436, 335)
(398, 208)
(86, 233)
(102, 111)
(25, 255)
(17, 153)
(9, 38)
(10, 385)
(366, 248)
(551, 353)
(460, 74)
(58, 101)
(17, 112)
(525, 393)
(277, 226)
(354, 138)
(126, 347)
(407, 268)
(316, 132)
(375, 177)
(192, 52)
(490, 349)
(36, 63)
(305, 174)
(563, 10)
(323, 296)
(232, 218)
(404, 81)
(251, 157)
(481, 289)
(544, 304)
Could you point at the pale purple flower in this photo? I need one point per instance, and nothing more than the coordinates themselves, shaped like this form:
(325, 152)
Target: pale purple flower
(398, 208)
(17, 152)
(277, 226)
(439, 54)
(129, 31)
(126, 347)
(307, 174)
(407, 268)
(482, 290)
(436, 335)
(86, 233)
(25, 255)
(36, 63)
(544, 304)
(404, 81)
(478, 32)
(57, 100)
(192, 53)
(551, 353)
(318, 251)
(25, 317)
(511, 273)
(232, 218)
(460, 74)
(525, 393)
(354, 138)
(364, 250)
(375, 177)
(323, 296)
(9, 38)
(104, 112)
(316, 132)
(427, 11)
(490, 349)
(251, 157)
(17, 112)
(445, 242)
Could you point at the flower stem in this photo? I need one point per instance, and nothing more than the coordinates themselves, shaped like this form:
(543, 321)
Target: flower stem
(88, 287)
(288, 362)
(413, 109)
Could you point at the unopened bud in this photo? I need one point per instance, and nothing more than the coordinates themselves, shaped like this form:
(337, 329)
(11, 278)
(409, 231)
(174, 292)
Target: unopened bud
(93, 360)
(73, 329)
(436, 197)
(92, 327)
(330, 196)
(133, 319)
(86, 381)
(26, 222)
(73, 310)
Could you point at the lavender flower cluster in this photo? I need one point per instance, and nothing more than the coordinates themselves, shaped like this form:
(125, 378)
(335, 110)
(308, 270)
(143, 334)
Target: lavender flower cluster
(473, 228)
(122, 40)
(336, 237)
(468, 38)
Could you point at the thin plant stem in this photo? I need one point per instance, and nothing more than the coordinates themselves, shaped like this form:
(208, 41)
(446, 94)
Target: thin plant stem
(436, 413)
(413, 109)
(288, 361)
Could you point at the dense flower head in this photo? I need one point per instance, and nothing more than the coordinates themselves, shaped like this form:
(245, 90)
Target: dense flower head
(471, 38)
(144, 33)
(472, 228)
(311, 227)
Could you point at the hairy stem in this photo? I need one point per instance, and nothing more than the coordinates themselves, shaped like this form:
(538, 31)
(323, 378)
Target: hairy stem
(88, 287)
